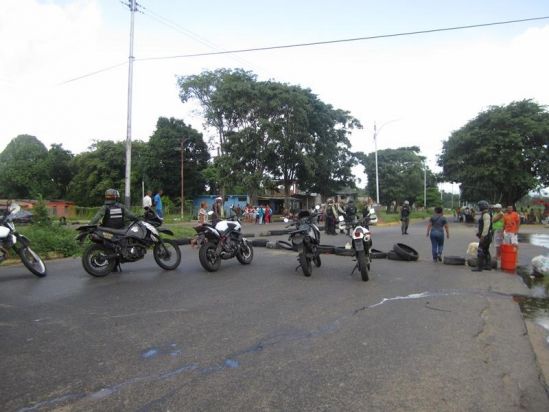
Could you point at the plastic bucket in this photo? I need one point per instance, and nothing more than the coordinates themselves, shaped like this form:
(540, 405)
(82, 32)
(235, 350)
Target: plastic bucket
(508, 257)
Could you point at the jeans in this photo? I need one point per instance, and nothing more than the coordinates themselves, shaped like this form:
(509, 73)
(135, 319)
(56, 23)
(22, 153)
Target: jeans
(437, 243)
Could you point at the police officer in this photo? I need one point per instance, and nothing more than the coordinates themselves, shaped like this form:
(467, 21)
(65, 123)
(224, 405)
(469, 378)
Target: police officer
(405, 217)
(484, 234)
(113, 214)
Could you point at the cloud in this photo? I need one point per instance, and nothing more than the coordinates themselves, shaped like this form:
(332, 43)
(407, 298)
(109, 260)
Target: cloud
(430, 84)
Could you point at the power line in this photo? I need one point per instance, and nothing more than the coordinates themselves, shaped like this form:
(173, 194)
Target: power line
(381, 36)
(173, 25)
(93, 73)
(353, 39)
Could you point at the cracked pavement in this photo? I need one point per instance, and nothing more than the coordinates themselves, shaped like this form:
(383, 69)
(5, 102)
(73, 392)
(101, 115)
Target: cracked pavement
(417, 337)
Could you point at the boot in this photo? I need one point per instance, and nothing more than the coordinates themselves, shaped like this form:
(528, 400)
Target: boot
(480, 264)
(488, 262)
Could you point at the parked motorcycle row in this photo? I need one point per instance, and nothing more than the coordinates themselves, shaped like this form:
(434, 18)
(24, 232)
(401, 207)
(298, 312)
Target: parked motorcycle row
(221, 240)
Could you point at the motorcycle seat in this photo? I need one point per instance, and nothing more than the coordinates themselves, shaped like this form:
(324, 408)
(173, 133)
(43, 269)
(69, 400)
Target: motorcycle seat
(114, 231)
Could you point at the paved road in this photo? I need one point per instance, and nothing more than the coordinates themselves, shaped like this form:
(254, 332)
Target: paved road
(417, 337)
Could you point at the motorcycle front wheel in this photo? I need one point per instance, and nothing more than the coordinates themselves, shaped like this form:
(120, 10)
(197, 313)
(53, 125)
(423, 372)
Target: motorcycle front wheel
(167, 255)
(32, 261)
(245, 253)
(208, 258)
(363, 265)
(305, 264)
(96, 260)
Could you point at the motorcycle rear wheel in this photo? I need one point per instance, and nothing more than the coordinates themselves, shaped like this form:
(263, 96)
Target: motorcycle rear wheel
(245, 253)
(208, 259)
(363, 265)
(96, 262)
(305, 264)
(167, 255)
(32, 261)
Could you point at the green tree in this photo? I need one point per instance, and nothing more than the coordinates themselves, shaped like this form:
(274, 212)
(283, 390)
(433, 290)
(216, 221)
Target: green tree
(270, 131)
(58, 167)
(161, 164)
(101, 168)
(501, 154)
(22, 168)
(401, 175)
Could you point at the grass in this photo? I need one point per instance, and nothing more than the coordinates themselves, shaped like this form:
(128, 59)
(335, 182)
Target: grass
(385, 217)
(56, 241)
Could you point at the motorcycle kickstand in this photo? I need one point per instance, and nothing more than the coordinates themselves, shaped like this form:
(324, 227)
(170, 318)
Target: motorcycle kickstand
(355, 268)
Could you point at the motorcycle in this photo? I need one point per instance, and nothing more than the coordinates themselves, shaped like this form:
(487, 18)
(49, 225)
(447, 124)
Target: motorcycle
(362, 244)
(111, 247)
(11, 239)
(222, 240)
(306, 239)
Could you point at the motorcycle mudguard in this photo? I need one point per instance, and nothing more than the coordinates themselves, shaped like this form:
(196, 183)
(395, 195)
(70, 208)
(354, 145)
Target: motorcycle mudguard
(166, 231)
(24, 240)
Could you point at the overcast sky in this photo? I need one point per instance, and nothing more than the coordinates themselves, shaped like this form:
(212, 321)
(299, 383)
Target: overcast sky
(417, 88)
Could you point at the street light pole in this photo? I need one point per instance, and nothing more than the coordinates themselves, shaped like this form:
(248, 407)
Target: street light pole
(377, 177)
(425, 185)
(376, 132)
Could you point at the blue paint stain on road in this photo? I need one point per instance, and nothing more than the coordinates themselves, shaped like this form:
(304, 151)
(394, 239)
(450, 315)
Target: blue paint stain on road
(231, 363)
(149, 353)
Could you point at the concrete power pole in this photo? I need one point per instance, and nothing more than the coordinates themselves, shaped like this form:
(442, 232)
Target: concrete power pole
(127, 181)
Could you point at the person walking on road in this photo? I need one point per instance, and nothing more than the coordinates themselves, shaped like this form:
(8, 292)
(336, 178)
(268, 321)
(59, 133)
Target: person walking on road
(405, 217)
(435, 230)
(484, 234)
(157, 201)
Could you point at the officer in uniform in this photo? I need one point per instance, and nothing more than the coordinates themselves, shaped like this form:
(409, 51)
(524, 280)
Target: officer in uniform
(484, 234)
(113, 214)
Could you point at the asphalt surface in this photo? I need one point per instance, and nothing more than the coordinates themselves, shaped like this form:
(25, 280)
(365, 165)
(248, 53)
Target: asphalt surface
(418, 336)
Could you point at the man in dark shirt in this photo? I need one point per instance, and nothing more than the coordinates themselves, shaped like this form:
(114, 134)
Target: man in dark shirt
(405, 217)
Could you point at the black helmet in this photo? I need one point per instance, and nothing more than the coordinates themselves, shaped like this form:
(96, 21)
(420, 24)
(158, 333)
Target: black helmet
(112, 194)
(483, 205)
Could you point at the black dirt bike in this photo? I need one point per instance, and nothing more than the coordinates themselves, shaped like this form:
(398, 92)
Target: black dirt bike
(110, 247)
(306, 239)
(221, 241)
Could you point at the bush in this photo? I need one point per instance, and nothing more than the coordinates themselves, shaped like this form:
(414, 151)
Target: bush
(53, 239)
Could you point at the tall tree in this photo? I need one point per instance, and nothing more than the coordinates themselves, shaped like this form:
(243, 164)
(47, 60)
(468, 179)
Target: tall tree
(400, 172)
(161, 164)
(101, 168)
(58, 167)
(501, 154)
(22, 168)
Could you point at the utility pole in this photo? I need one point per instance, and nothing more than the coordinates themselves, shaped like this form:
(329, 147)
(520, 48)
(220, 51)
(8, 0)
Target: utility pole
(182, 192)
(377, 177)
(425, 185)
(127, 181)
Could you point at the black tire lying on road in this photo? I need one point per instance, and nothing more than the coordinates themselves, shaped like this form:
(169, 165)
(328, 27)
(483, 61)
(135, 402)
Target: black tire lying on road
(472, 262)
(453, 260)
(278, 232)
(392, 255)
(342, 251)
(377, 254)
(259, 242)
(327, 249)
(283, 244)
(405, 252)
